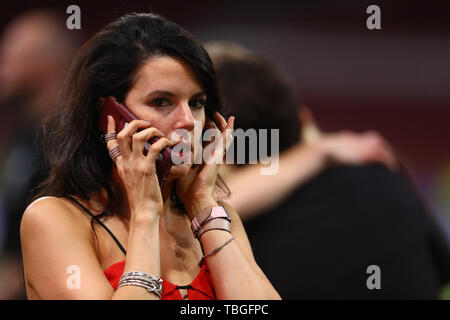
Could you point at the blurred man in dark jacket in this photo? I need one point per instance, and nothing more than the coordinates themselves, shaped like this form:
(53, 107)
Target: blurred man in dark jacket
(343, 222)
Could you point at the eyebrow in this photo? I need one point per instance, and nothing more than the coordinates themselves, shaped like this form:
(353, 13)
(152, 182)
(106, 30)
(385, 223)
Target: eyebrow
(171, 94)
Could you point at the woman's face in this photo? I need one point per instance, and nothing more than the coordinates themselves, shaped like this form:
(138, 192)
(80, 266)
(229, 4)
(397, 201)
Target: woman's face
(167, 93)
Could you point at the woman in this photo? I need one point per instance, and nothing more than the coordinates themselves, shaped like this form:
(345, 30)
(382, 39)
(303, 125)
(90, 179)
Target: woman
(163, 76)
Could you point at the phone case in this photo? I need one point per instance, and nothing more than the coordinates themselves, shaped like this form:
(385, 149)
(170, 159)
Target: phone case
(122, 116)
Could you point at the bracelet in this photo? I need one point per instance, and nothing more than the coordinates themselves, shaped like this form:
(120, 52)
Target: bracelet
(206, 215)
(218, 248)
(142, 279)
(216, 224)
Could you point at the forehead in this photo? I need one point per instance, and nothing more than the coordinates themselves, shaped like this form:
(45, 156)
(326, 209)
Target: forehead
(168, 74)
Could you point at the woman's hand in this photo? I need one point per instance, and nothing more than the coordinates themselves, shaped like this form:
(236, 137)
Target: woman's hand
(196, 188)
(138, 171)
(349, 148)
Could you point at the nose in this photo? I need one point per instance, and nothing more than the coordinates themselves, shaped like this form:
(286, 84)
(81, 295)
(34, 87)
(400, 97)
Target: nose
(184, 118)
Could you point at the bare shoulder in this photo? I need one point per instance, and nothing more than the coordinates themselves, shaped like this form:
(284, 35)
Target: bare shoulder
(45, 208)
(55, 236)
(50, 213)
(46, 204)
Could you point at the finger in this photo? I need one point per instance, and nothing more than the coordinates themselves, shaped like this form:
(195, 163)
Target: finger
(230, 123)
(124, 136)
(110, 128)
(216, 154)
(210, 124)
(228, 133)
(140, 138)
(221, 122)
(110, 124)
(156, 148)
(112, 145)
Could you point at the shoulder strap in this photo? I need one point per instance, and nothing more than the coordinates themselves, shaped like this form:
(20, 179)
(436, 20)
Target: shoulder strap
(100, 223)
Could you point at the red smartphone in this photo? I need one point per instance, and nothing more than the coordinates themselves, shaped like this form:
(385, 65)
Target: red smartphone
(122, 115)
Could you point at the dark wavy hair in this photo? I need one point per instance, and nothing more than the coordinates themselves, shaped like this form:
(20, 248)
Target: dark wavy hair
(106, 65)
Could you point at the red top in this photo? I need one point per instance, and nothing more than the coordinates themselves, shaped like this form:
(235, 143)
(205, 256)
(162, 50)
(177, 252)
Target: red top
(201, 288)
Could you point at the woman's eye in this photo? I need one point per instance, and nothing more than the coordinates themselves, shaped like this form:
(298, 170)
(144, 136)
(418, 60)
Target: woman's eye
(197, 103)
(160, 102)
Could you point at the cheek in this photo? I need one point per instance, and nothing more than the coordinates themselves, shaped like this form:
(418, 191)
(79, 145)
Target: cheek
(162, 124)
(158, 120)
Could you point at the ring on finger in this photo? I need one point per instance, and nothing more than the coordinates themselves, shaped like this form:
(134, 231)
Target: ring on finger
(114, 152)
(110, 136)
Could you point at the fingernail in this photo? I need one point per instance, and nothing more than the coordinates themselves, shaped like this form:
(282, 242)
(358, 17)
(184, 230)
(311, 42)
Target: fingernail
(148, 121)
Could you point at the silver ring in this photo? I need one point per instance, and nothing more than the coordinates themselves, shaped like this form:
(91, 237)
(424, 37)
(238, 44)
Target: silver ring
(114, 153)
(110, 136)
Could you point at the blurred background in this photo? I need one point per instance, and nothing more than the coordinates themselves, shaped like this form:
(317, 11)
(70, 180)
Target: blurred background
(395, 80)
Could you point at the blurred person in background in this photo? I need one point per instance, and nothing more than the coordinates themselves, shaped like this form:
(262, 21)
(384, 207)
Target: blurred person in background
(35, 50)
(338, 201)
